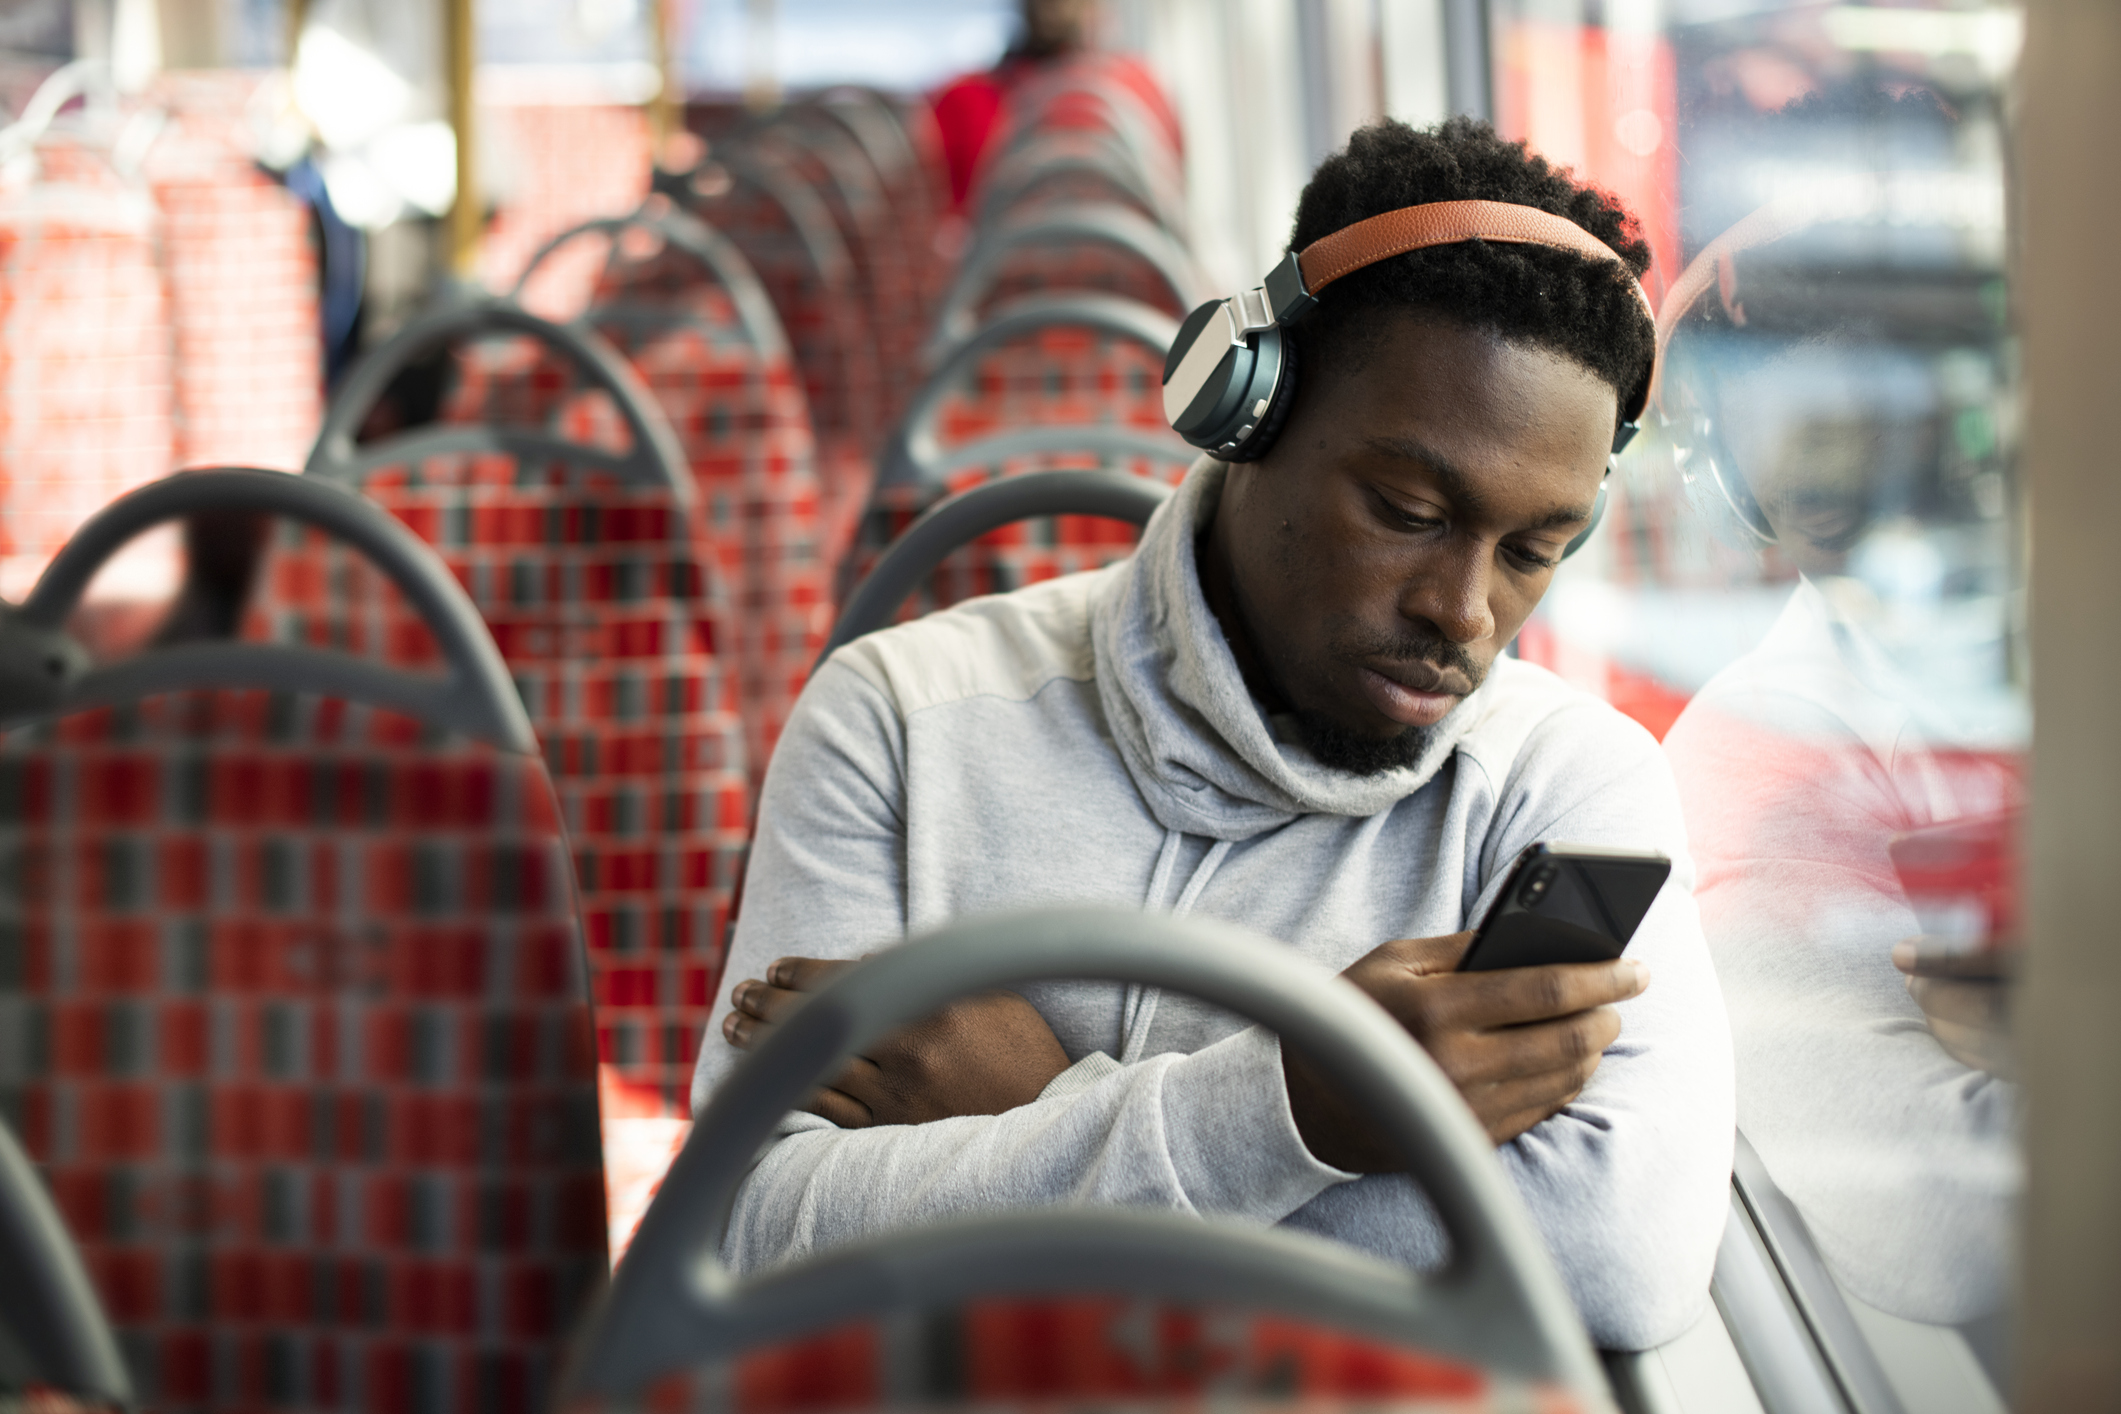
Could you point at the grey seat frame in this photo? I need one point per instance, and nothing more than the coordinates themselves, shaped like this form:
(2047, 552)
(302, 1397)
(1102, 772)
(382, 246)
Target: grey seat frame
(1499, 1303)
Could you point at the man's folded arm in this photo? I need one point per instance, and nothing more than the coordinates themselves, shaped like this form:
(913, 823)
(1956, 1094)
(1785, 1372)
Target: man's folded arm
(1208, 1133)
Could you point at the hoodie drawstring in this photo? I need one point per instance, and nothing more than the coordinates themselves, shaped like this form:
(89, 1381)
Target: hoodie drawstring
(1139, 1009)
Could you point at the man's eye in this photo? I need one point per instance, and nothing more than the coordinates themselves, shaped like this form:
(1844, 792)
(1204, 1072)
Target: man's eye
(1530, 559)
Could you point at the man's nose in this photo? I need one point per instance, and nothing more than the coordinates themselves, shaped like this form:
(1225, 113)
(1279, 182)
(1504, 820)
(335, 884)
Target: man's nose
(1451, 592)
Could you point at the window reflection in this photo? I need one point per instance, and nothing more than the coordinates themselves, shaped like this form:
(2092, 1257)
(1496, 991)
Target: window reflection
(1811, 581)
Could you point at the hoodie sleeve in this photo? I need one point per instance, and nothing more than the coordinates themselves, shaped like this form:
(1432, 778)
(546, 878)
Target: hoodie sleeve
(1902, 1159)
(1208, 1133)
(1630, 1183)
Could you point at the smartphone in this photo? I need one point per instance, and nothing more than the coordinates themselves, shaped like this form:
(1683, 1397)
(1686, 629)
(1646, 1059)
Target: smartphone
(1961, 878)
(1567, 903)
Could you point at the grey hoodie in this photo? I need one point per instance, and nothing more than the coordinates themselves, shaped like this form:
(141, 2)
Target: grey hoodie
(1090, 740)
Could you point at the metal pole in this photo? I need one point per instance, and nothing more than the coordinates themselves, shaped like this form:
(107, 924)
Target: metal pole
(665, 112)
(467, 218)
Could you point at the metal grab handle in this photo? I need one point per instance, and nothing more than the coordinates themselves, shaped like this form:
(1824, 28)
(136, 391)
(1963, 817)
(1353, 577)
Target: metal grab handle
(477, 697)
(911, 456)
(47, 1303)
(970, 514)
(712, 251)
(657, 458)
(673, 1304)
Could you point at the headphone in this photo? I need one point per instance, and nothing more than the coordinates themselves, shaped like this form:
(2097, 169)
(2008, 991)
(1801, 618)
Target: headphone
(1230, 377)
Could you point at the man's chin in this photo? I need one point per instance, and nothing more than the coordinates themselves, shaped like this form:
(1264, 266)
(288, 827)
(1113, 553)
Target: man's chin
(1359, 753)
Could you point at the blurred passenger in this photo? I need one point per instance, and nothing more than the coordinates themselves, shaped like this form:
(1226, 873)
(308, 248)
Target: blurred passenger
(1873, 1069)
(1289, 710)
(1055, 34)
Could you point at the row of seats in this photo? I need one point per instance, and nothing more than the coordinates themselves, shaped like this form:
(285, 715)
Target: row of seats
(307, 1065)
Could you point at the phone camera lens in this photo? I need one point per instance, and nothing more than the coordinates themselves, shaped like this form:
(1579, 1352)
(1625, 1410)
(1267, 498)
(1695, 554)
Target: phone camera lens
(1536, 887)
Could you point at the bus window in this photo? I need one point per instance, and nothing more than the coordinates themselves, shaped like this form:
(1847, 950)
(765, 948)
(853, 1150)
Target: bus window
(1810, 587)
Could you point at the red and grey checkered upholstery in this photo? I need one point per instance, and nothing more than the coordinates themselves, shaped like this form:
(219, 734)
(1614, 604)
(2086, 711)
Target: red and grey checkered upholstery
(1094, 1351)
(683, 307)
(826, 155)
(788, 233)
(1047, 368)
(1025, 552)
(297, 1031)
(601, 592)
(1095, 248)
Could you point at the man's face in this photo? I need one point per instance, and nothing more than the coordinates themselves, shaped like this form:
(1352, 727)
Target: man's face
(1368, 570)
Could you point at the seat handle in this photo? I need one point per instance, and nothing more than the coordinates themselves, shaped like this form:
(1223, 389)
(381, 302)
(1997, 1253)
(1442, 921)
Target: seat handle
(952, 523)
(656, 459)
(1498, 1267)
(476, 697)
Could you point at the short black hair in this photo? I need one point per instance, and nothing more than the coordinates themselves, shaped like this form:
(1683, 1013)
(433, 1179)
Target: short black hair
(1581, 308)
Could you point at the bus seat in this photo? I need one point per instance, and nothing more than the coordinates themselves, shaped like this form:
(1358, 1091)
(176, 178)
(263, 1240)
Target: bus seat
(55, 1342)
(787, 232)
(1100, 248)
(589, 569)
(1073, 168)
(958, 520)
(683, 307)
(1092, 1306)
(297, 1028)
(1068, 360)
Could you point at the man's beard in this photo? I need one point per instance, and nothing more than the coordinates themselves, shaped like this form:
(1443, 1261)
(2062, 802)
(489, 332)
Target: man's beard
(1342, 750)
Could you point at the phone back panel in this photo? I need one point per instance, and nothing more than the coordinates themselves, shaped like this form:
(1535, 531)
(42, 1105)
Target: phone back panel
(1586, 913)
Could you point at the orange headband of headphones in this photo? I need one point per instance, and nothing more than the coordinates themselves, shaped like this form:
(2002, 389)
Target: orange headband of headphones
(1449, 223)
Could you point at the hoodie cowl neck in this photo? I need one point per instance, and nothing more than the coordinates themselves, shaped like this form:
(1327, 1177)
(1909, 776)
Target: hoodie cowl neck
(1199, 746)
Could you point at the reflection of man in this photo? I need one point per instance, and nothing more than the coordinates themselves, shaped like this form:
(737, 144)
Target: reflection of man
(1798, 766)
(1288, 711)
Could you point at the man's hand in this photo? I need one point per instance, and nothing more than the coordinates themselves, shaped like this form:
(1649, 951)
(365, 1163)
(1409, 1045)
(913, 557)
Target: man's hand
(1519, 1043)
(1965, 1000)
(984, 1055)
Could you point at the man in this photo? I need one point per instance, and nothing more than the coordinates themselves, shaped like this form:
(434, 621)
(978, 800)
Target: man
(1875, 1076)
(1054, 34)
(1289, 710)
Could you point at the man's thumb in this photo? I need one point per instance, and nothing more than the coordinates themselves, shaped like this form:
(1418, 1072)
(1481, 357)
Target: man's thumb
(1427, 956)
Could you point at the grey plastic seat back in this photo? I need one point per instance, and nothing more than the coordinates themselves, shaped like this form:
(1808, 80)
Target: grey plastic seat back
(915, 455)
(970, 514)
(1061, 226)
(654, 459)
(1499, 1304)
(52, 1329)
(43, 672)
(714, 253)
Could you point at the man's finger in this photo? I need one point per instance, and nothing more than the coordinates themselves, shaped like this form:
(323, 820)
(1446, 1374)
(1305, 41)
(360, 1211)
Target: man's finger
(744, 1032)
(804, 974)
(840, 1108)
(1566, 1044)
(1427, 957)
(1514, 996)
(764, 1001)
(1508, 1109)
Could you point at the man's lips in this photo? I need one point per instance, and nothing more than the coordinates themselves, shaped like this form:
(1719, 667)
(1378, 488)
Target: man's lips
(1412, 694)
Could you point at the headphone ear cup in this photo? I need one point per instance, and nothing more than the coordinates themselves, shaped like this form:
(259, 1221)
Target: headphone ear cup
(1597, 515)
(1282, 399)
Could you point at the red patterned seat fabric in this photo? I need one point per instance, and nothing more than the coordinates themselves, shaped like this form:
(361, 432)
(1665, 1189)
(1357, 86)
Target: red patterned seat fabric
(787, 232)
(607, 617)
(738, 410)
(297, 1031)
(1098, 1352)
(1077, 264)
(1057, 376)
